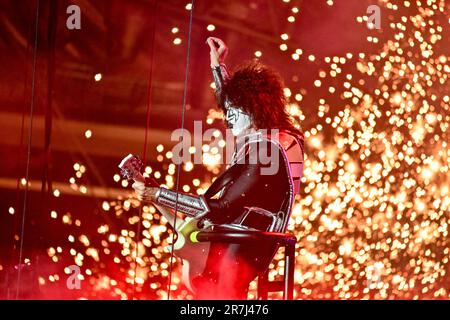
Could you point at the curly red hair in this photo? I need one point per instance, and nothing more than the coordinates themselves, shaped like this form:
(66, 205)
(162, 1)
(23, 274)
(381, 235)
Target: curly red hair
(259, 91)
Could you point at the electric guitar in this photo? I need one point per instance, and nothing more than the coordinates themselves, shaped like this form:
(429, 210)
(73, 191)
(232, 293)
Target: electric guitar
(193, 254)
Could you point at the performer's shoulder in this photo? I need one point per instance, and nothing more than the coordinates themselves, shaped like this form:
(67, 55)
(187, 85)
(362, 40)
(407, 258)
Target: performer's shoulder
(265, 139)
(286, 139)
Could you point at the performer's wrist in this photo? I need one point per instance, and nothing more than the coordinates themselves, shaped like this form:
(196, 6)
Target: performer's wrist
(156, 196)
(221, 67)
(149, 194)
(217, 63)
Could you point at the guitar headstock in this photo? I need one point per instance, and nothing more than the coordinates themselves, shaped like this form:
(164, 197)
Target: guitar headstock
(130, 167)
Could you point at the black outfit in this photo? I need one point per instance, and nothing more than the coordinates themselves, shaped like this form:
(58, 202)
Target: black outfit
(231, 267)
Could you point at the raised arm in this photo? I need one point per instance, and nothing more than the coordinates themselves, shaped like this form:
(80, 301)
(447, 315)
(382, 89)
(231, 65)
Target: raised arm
(218, 53)
(192, 205)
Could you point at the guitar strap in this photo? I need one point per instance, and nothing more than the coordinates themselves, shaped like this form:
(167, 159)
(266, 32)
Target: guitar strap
(221, 182)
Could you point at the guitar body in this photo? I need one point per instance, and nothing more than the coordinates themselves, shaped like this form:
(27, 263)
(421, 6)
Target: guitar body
(193, 254)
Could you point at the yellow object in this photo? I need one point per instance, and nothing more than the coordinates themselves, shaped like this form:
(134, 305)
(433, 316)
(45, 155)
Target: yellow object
(193, 236)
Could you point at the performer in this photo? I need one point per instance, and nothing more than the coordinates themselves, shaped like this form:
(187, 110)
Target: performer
(245, 196)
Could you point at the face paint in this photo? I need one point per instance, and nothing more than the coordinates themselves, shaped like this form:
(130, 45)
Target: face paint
(237, 120)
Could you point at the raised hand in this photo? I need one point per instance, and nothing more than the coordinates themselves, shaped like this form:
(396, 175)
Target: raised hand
(218, 51)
